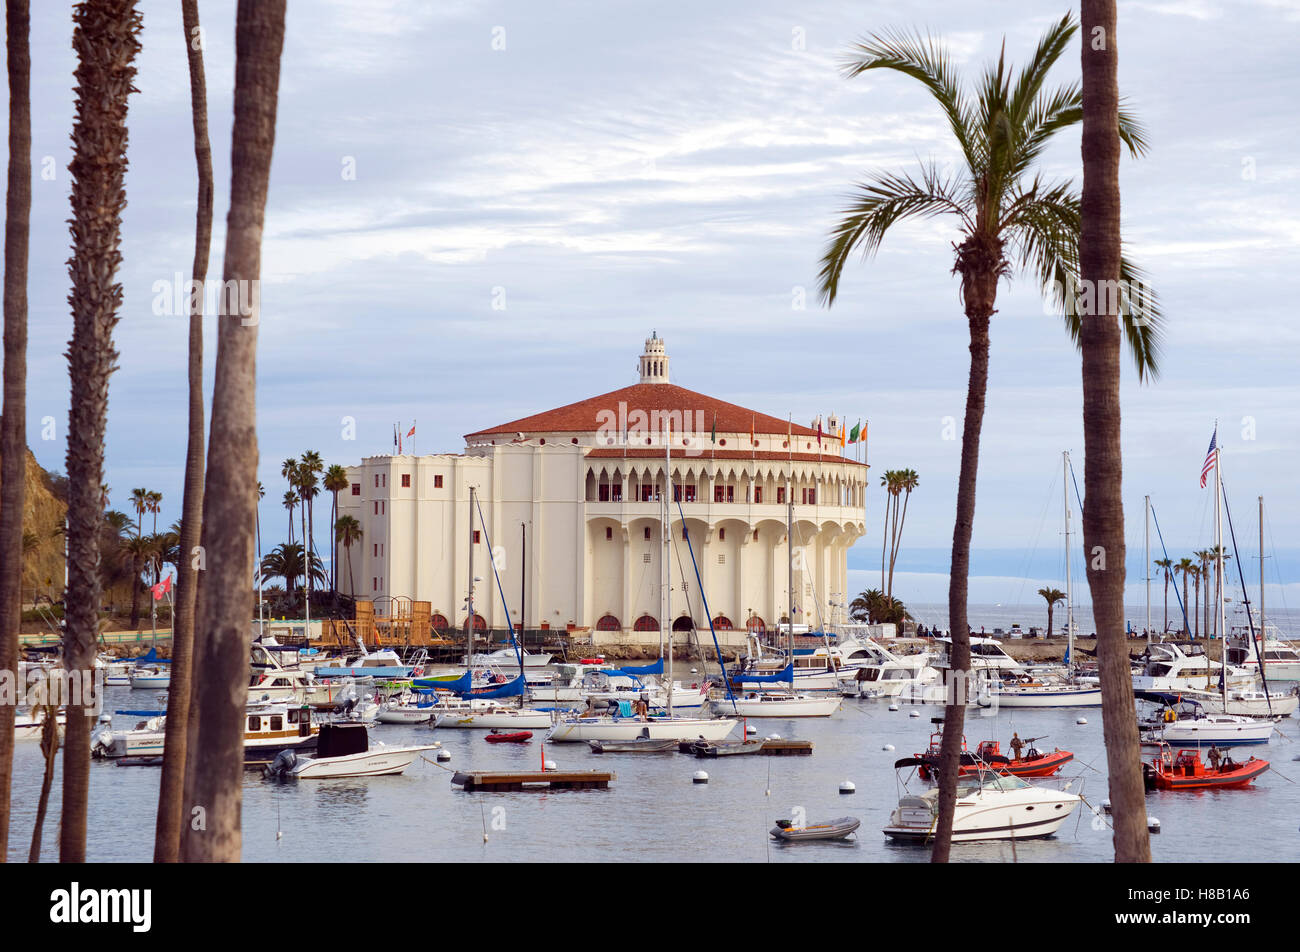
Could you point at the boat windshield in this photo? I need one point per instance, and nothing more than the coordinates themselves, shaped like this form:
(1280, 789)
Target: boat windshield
(968, 786)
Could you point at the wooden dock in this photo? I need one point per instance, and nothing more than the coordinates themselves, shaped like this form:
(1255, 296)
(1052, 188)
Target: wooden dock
(508, 780)
(787, 748)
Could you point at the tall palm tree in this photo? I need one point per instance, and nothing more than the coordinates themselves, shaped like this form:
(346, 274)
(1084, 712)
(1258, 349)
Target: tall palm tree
(104, 38)
(289, 502)
(336, 480)
(1052, 596)
(309, 470)
(908, 480)
(889, 483)
(347, 531)
(140, 502)
(214, 781)
(1003, 215)
(1197, 572)
(1186, 567)
(1165, 566)
(286, 561)
(154, 503)
(167, 832)
(13, 424)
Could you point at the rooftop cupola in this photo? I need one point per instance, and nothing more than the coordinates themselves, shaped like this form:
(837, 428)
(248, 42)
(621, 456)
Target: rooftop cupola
(654, 362)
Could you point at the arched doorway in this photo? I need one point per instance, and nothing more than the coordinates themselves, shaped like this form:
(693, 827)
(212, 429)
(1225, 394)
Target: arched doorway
(439, 623)
(646, 623)
(756, 625)
(723, 623)
(608, 623)
(479, 624)
(684, 623)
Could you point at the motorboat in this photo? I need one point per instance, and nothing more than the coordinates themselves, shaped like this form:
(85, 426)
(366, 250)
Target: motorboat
(1202, 729)
(830, 830)
(989, 806)
(1185, 770)
(989, 757)
(384, 663)
(153, 676)
(1246, 702)
(714, 749)
(1281, 659)
(1166, 666)
(642, 745)
(407, 708)
(606, 727)
(873, 670)
(986, 657)
(508, 658)
(30, 725)
(782, 704)
(345, 750)
(269, 727)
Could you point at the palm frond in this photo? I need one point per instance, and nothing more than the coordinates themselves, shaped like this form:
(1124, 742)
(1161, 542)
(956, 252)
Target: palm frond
(1050, 47)
(1045, 229)
(922, 58)
(881, 202)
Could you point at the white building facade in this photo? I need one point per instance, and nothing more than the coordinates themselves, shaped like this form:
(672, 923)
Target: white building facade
(572, 504)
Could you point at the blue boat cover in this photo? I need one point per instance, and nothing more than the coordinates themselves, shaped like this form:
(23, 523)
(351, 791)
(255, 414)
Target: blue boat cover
(656, 668)
(785, 674)
(509, 689)
(463, 683)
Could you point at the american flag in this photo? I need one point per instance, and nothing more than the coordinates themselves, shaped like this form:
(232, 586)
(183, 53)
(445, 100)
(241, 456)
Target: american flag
(1210, 455)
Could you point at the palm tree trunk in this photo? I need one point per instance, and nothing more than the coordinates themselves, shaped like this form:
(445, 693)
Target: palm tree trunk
(13, 425)
(230, 497)
(1196, 588)
(1166, 627)
(1186, 606)
(50, 749)
(167, 841)
(1049, 619)
(893, 556)
(106, 45)
(981, 291)
(1099, 339)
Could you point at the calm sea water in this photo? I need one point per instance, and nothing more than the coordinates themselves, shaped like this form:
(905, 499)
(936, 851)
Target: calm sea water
(1035, 616)
(653, 812)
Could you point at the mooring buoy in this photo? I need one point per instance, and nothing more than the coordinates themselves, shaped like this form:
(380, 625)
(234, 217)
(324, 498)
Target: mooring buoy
(700, 776)
(847, 787)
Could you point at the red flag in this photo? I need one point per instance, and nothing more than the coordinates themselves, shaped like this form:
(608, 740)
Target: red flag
(411, 431)
(161, 588)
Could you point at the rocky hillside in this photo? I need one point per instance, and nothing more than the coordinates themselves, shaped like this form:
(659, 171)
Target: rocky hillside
(42, 545)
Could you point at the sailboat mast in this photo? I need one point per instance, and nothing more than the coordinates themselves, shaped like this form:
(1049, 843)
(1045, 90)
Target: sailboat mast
(789, 547)
(469, 620)
(1147, 537)
(1069, 591)
(1219, 621)
(1263, 638)
(668, 550)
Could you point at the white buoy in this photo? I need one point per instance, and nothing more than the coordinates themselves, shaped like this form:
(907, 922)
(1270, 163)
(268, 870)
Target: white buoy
(444, 756)
(915, 714)
(1153, 825)
(1105, 807)
(893, 707)
(1082, 720)
(847, 787)
(700, 776)
(888, 747)
(549, 765)
(751, 730)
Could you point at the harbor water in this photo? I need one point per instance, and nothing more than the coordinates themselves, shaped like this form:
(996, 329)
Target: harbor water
(653, 811)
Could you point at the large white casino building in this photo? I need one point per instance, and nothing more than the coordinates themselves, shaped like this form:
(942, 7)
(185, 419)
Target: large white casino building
(572, 499)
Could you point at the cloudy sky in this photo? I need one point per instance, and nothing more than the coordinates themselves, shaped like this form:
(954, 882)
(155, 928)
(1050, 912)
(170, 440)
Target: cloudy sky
(605, 170)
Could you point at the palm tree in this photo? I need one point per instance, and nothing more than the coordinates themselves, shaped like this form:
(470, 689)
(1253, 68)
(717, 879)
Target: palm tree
(13, 424)
(907, 481)
(290, 501)
(1000, 211)
(286, 561)
(309, 488)
(1165, 565)
(154, 504)
(889, 483)
(1197, 572)
(214, 781)
(1105, 318)
(347, 531)
(167, 832)
(1186, 567)
(104, 37)
(336, 480)
(140, 501)
(1052, 596)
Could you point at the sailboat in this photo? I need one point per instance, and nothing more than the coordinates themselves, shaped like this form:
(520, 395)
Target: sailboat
(786, 703)
(482, 706)
(607, 727)
(1054, 691)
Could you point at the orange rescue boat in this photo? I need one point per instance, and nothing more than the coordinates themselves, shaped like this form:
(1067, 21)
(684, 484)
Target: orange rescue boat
(1186, 771)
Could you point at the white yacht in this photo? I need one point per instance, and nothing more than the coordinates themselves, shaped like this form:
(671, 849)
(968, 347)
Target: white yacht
(345, 750)
(1281, 657)
(607, 727)
(989, 807)
(1169, 668)
(507, 658)
(780, 704)
(1027, 691)
(871, 669)
(488, 714)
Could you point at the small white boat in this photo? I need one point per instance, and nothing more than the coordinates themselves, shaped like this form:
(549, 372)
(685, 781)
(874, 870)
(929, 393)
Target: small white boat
(507, 658)
(780, 704)
(1246, 702)
(30, 725)
(605, 727)
(1045, 692)
(830, 830)
(1218, 730)
(345, 750)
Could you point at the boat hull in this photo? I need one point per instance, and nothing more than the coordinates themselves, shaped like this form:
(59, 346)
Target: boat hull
(372, 763)
(495, 720)
(625, 729)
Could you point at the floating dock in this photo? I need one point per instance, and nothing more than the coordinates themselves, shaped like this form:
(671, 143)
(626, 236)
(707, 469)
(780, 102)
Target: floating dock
(787, 748)
(533, 779)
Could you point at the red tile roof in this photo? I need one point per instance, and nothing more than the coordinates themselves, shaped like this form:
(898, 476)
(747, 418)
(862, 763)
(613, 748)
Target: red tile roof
(585, 416)
(647, 452)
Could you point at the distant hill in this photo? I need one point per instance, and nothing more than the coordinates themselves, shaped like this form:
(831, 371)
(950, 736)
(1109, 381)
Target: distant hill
(43, 512)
